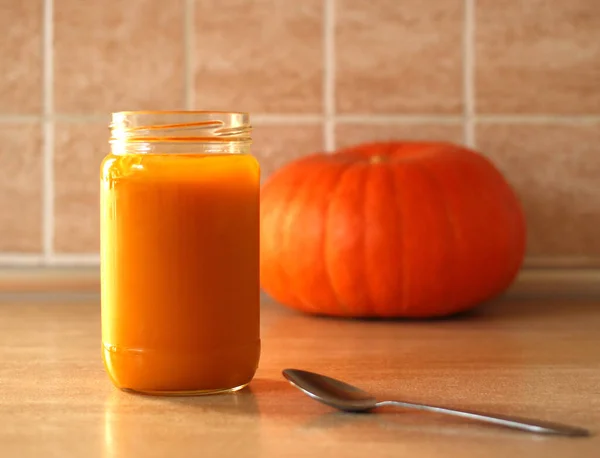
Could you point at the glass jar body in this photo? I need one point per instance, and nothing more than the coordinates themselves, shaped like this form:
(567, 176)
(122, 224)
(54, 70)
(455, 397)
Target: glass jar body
(179, 257)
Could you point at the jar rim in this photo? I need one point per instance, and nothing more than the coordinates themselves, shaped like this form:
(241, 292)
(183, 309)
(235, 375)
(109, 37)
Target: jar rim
(179, 125)
(140, 131)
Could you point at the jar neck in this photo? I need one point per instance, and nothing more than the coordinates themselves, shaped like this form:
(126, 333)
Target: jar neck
(180, 132)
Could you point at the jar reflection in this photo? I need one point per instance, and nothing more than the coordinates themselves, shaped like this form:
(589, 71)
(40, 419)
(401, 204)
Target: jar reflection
(146, 426)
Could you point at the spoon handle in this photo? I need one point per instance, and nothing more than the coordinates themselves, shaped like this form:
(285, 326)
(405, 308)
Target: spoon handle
(525, 424)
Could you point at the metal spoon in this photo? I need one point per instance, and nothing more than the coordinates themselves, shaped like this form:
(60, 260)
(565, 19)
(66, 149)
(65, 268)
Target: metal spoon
(349, 398)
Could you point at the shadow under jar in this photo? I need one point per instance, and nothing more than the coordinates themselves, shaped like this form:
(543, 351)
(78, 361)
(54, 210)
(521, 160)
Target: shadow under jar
(179, 253)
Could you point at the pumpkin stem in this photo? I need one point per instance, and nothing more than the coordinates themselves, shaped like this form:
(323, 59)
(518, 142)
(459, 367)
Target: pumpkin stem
(376, 159)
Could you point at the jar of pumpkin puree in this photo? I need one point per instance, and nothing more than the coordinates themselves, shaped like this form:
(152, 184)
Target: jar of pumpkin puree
(179, 253)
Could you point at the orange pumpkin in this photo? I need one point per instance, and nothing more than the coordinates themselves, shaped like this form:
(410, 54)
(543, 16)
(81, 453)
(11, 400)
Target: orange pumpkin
(389, 230)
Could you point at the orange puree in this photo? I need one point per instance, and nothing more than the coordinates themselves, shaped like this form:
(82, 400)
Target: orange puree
(180, 286)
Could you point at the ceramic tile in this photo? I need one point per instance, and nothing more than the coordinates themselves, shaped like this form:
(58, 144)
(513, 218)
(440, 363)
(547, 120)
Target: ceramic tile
(79, 150)
(21, 57)
(399, 56)
(263, 56)
(555, 170)
(115, 55)
(20, 188)
(352, 134)
(538, 56)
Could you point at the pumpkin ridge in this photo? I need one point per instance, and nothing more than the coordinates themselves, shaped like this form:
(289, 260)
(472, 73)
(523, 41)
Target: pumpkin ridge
(451, 223)
(379, 308)
(347, 264)
(510, 269)
(284, 229)
(369, 299)
(464, 233)
(280, 233)
(360, 308)
(278, 236)
(303, 199)
(343, 307)
(402, 254)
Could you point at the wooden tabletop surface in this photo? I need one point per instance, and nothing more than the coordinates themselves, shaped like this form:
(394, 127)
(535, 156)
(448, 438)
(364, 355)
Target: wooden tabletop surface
(532, 358)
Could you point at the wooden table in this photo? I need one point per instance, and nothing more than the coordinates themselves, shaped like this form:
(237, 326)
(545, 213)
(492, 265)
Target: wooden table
(532, 358)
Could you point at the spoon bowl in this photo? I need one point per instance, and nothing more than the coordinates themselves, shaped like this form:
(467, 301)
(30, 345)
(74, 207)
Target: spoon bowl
(346, 397)
(334, 393)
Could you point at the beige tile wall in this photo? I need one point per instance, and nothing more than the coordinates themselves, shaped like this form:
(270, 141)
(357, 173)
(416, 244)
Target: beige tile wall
(517, 79)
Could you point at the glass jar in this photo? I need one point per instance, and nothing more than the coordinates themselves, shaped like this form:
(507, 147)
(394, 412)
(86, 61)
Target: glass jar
(179, 253)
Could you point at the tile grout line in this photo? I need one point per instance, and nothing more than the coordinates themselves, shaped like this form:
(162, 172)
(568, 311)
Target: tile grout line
(21, 260)
(286, 119)
(188, 37)
(92, 259)
(74, 118)
(291, 118)
(48, 133)
(329, 75)
(469, 73)
(21, 118)
(537, 119)
(76, 259)
(578, 262)
(400, 119)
